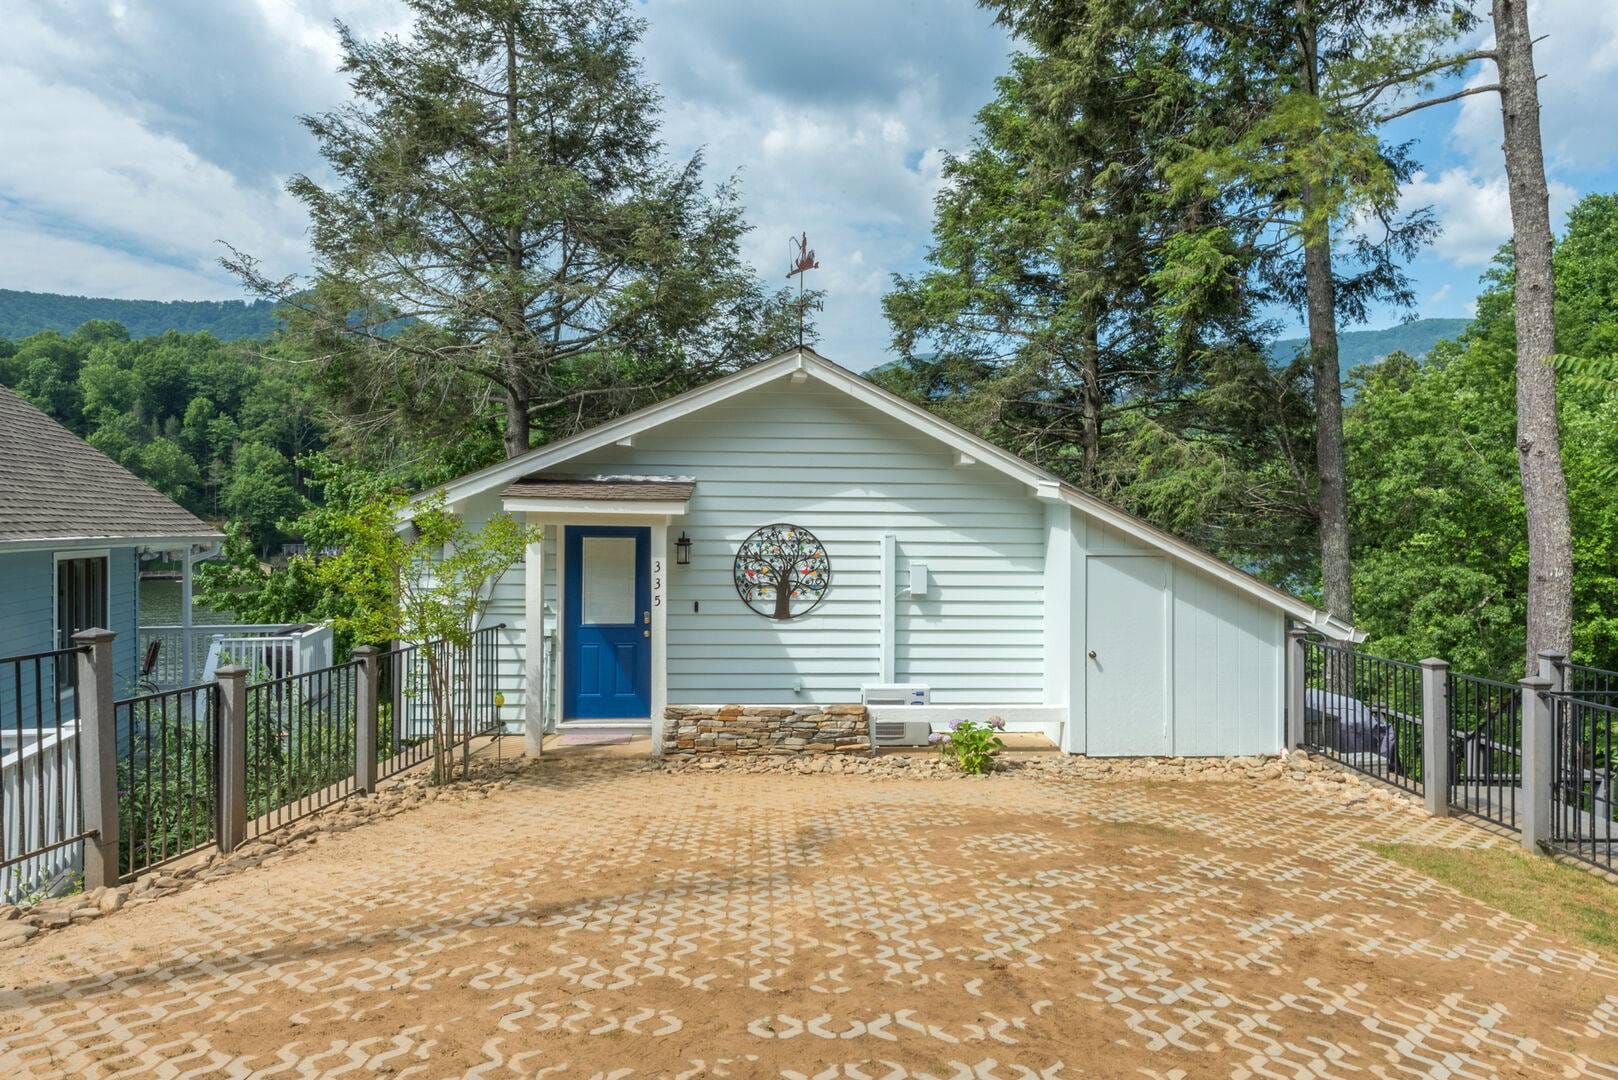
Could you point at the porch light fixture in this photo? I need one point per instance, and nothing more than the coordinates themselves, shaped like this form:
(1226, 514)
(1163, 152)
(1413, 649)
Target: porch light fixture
(682, 550)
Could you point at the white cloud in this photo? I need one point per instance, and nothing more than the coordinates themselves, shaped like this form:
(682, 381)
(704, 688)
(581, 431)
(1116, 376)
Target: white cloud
(1474, 208)
(79, 170)
(1577, 61)
(838, 118)
(153, 130)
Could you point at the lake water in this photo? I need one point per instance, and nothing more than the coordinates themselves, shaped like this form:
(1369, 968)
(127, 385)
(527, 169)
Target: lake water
(160, 606)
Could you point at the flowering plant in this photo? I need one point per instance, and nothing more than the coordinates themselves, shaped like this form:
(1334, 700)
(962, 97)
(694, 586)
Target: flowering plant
(971, 744)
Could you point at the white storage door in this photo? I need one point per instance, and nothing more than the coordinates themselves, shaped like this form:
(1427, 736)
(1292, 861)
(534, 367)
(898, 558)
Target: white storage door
(1126, 655)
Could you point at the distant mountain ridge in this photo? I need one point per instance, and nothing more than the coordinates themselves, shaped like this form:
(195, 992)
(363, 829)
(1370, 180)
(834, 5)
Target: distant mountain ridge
(1356, 347)
(25, 313)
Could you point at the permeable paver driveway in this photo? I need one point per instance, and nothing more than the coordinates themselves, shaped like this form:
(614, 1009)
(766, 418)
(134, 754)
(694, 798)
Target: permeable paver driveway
(599, 920)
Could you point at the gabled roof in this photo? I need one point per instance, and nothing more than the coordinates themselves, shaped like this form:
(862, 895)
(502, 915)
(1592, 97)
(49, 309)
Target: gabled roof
(803, 363)
(55, 487)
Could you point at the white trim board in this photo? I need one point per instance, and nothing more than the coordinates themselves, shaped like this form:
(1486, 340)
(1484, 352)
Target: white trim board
(802, 365)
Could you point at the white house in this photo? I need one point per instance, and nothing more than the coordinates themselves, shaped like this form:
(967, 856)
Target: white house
(924, 555)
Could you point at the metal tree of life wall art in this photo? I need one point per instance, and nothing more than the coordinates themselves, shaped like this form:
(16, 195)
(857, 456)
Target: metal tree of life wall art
(782, 571)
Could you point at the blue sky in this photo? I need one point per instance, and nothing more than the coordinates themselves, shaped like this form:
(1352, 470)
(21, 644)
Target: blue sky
(141, 133)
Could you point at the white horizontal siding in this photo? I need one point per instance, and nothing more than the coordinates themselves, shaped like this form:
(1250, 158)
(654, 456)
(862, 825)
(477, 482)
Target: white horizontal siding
(507, 605)
(1224, 653)
(812, 456)
(1228, 654)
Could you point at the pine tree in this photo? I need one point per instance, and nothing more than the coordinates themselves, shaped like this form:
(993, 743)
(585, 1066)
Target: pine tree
(1289, 145)
(506, 242)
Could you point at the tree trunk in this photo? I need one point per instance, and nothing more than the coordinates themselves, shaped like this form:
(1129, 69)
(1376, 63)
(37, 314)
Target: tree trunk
(1091, 389)
(1321, 291)
(783, 597)
(517, 433)
(517, 427)
(1539, 450)
(1329, 453)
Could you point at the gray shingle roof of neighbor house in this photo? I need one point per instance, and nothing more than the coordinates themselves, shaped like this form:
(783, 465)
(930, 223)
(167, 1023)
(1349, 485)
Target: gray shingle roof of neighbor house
(609, 488)
(56, 486)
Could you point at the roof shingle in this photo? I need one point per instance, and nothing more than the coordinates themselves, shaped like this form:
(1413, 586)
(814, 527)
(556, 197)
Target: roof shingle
(56, 486)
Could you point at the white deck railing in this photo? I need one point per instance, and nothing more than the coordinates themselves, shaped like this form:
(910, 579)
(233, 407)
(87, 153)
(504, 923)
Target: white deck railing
(267, 650)
(39, 772)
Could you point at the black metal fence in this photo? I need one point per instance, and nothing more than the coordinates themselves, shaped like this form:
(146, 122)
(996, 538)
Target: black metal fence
(300, 745)
(1485, 740)
(1584, 806)
(168, 776)
(1364, 712)
(1590, 683)
(407, 715)
(41, 810)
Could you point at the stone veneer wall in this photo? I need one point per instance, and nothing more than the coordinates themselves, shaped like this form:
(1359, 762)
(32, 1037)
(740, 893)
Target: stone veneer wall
(765, 729)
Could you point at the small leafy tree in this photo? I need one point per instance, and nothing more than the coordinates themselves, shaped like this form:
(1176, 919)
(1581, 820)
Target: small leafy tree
(419, 574)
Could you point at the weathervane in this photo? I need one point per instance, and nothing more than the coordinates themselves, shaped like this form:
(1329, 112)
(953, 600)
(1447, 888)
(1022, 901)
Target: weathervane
(803, 261)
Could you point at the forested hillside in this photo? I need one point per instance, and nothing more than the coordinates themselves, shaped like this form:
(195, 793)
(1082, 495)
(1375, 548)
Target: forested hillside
(1356, 347)
(25, 313)
(213, 425)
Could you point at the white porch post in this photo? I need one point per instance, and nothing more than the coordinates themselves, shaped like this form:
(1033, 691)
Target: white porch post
(660, 623)
(890, 583)
(533, 698)
(186, 659)
(1058, 601)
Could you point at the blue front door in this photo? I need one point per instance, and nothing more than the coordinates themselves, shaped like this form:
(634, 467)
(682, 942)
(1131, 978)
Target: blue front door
(607, 608)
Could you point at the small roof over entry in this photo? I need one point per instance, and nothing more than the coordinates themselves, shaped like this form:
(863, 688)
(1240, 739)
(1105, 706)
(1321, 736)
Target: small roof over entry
(666, 495)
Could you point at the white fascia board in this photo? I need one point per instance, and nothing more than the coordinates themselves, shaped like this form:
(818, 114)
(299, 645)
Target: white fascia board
(1047, 486)
(156, 543)
(614, 431)
(1133, 526)
(1044, 485)
(595, 507)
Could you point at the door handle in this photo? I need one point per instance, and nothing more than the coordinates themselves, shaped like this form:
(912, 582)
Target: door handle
(645, 633)
(646, 618)
(1092, 654)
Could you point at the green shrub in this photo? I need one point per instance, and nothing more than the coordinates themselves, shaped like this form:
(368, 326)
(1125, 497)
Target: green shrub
(972, 745)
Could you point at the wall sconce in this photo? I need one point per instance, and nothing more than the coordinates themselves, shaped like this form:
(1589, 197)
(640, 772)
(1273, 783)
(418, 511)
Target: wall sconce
(682, 550)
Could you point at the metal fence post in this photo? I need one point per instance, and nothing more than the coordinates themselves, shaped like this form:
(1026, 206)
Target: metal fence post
(1537, 775)
(98, 757)
(365, 717)
(1295, 681)
(1436, 756)
(232, 756)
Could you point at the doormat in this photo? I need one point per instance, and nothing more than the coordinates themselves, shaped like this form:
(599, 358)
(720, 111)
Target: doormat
(593, 738)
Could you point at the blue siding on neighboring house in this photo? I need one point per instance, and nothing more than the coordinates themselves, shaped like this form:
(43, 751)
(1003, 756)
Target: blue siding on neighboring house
(28, 606)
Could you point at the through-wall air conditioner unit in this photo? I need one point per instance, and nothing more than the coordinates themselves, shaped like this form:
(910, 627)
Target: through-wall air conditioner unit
(900, 732)
(897, 732)
(916, 693)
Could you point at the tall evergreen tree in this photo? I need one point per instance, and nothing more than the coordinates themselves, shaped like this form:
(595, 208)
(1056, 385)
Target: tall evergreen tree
(1289, 147)
(1041, 319)
(506, 226)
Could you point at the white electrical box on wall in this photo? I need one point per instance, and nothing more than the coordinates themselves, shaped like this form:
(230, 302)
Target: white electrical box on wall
(918, 579)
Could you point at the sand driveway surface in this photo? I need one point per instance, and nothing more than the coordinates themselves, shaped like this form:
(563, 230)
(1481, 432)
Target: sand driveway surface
(598, 920)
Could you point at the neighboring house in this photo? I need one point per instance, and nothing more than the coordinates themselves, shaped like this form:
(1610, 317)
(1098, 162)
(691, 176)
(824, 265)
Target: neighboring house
(72, 523)
(921, 555)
